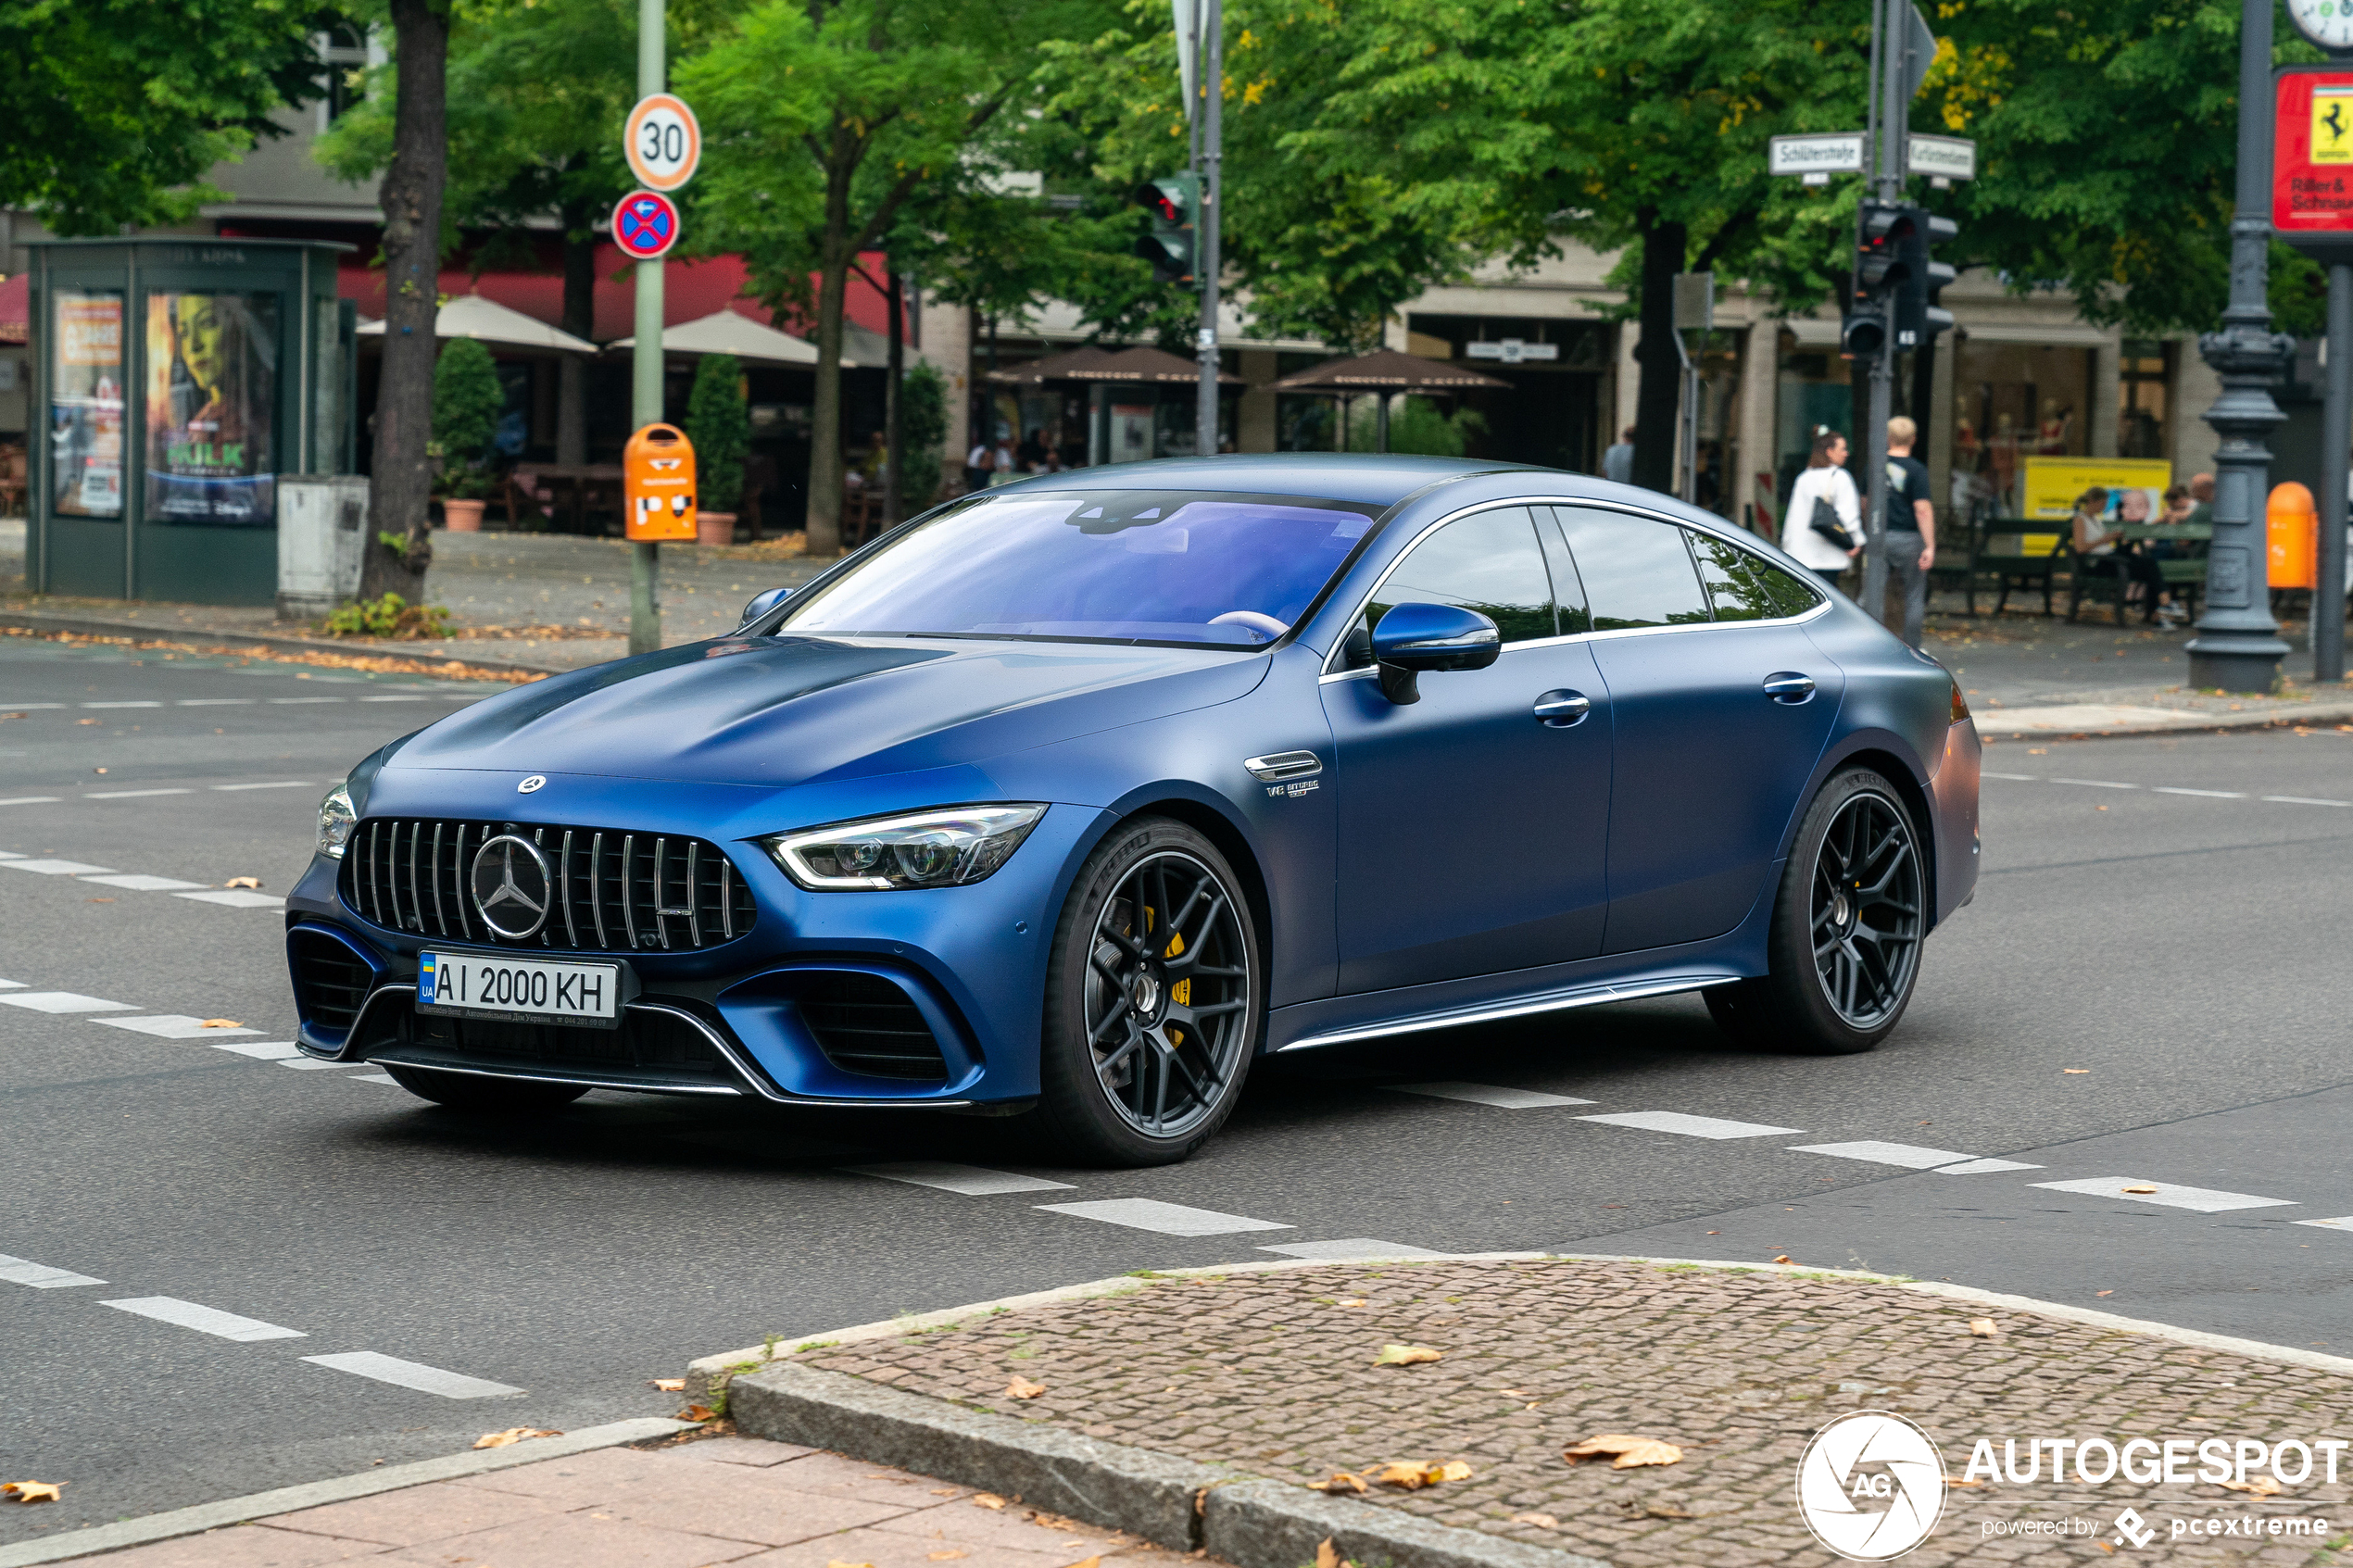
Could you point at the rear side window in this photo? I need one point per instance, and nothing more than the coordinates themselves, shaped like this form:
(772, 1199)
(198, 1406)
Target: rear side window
(1488, 561)
(1745, 587)
(1636, 571)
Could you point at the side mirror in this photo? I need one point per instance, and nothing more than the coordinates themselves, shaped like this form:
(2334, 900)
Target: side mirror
(762, 604)
(1415, 637)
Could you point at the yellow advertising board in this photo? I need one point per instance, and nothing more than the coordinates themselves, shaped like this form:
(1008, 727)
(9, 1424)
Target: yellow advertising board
(2048, 486)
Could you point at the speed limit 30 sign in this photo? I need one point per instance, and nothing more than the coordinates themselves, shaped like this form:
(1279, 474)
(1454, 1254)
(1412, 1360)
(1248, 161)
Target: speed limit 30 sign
(663, 141)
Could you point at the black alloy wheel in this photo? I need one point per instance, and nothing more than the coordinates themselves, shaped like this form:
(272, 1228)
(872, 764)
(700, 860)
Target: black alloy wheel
(472, 1091)
(1153, 999)
(1848, 921)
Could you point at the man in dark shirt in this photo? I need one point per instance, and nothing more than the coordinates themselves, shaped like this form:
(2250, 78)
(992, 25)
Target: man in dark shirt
(1911, 524)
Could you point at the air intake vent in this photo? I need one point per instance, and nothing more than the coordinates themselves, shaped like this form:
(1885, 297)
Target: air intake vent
(331, 980)
(612, 891)
(867, 1025)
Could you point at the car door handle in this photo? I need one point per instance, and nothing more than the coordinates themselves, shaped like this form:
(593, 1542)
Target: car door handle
(1789, 686)
(1563, 709)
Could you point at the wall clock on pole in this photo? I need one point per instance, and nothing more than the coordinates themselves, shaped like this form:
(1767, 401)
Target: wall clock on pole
(2328, 23)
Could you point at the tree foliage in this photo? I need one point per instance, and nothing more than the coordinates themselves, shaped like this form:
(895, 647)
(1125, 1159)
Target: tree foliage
(923, 422)
(115, 109)
(466, 400)
(720, 427)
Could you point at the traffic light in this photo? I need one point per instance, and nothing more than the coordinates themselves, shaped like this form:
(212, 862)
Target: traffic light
(1863, 333)
(1173, 200)
(1920, 281)
(1897, 284)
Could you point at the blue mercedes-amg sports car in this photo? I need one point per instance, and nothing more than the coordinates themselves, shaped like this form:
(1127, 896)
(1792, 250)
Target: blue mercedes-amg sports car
(1073, 798)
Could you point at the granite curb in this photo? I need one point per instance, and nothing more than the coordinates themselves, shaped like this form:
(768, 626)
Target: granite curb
(2104, 721)
(207, 641)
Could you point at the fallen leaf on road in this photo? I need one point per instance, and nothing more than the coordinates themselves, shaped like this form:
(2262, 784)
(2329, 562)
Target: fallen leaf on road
(1782, 1259)
(1022, 1388)
(1542, 1520)
(987, 1499)
(1982, 1327)
(949, 1556)
(1628, 1451)
(1657, 1511)
(510, 1436)
(671, 1385)
(1716, 1233)
(1405, 1355)
(838, 1562)
(698, 1412)
(1327, 1555)
(1957, 1481)
(220, 1023)
(2075, 1070)
(2102, 1292)
(31, 1491)
(1094, 1561)
(1413, 1474)
(1354, 1301)
(252, 882)
(88, 721)
(2260, 1485)
(2140, 1187)
(97, 900)
(1339, 1481)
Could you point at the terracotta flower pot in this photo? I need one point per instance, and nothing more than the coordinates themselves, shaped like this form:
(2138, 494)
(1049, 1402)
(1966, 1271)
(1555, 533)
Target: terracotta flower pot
(715, 528)
(462, 516)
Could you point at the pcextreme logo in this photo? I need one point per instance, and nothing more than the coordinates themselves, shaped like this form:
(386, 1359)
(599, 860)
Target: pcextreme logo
(1870, 1487)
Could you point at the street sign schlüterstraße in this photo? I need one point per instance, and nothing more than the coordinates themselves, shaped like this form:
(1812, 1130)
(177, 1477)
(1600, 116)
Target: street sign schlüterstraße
(1838, 152)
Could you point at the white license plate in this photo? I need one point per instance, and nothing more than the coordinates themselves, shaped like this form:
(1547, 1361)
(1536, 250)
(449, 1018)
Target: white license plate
(539, 990)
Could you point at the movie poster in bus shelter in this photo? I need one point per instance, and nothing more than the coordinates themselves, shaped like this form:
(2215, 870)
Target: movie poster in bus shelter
(211, 402)
(85, 405)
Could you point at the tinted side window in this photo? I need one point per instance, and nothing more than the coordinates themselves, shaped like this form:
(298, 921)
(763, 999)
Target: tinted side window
(1569, 591)
(1787, 594)
(1732, 588)
(1488, 561)
(1636, 571)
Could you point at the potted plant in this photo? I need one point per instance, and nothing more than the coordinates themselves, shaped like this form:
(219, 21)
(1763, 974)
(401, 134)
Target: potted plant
(467, 401)
(720, 427)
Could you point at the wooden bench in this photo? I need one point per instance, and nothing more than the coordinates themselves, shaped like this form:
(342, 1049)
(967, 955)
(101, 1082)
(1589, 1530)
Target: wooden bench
(2013, 553)
(2179, 574)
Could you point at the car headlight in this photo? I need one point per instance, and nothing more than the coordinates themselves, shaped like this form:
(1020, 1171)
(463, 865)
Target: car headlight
(336, 819)
(946, 848)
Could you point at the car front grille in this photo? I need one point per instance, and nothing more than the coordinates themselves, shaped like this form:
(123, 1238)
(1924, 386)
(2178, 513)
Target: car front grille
(866, 1024)
(614, 892)
(333, 982)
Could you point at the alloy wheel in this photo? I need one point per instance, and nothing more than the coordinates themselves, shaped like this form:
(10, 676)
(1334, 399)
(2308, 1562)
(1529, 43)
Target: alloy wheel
(1866, 909)
(1167, 997)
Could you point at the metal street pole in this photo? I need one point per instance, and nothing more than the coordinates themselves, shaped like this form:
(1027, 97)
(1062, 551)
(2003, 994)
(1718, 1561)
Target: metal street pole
(1887, 55)
(2336, 452)
(2237, 648)
(645, 399)
(1212, 191)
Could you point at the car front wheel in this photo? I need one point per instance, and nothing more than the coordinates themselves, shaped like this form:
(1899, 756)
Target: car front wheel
(1154, 1001)
(1848, 920)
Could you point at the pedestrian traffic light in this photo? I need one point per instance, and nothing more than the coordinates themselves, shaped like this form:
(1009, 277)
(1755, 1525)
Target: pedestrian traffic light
(1173, 200)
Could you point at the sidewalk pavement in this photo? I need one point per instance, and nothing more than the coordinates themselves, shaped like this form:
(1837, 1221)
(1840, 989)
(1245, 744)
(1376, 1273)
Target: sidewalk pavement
(1271, 1371)
(719, 1499)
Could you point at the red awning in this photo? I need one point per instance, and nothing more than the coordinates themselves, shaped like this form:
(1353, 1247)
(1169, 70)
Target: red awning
(15, 311)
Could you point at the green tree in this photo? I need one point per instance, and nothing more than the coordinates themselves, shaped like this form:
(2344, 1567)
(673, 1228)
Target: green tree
(720, 427)
(117, 107)
(466, 400)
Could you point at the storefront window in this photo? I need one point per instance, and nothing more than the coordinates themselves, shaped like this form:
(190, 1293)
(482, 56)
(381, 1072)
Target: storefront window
(2141, 403)
(212, 388)
(85, 405)
(2012, 401)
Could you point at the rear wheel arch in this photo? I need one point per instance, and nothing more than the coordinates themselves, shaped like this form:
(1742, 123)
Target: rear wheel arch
(1909, 787)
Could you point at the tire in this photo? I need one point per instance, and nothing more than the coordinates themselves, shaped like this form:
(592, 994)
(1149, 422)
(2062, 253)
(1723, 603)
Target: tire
(464, 1091)
(1146, 1043)
(1857, 877)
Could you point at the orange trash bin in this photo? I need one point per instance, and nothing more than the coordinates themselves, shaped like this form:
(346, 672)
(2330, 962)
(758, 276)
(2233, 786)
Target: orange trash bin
(2293, 532)
(658, 484)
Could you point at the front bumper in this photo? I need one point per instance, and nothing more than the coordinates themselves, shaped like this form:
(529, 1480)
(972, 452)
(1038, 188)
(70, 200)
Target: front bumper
(787, 1012)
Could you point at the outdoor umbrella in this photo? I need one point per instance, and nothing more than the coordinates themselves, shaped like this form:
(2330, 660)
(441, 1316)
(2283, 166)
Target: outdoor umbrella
(487, 321)
(1068, 365)
(725, 332)
(1384, 372)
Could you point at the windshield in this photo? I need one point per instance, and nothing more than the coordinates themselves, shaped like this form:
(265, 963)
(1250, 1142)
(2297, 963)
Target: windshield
(1211, 570)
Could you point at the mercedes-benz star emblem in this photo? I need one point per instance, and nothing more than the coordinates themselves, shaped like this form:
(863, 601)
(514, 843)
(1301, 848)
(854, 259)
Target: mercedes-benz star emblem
(510, 881)
(536, 781)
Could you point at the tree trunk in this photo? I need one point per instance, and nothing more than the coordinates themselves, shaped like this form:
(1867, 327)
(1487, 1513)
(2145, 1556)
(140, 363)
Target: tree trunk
(894, 424)
(401, 488)
(824, 417)
(1659, 390)
(580, 320)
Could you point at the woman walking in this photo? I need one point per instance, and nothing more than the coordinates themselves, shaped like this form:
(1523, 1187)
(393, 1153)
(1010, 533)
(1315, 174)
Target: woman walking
(1824, 491)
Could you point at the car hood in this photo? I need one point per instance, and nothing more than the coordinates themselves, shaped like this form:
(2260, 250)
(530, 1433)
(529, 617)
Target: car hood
(779, 711)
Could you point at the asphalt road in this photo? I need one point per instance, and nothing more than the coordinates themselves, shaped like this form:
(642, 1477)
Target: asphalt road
(2182, 953)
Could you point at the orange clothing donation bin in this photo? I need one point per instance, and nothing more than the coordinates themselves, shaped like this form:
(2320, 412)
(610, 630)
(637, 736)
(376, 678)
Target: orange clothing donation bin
(2292, 528)
(658, 484)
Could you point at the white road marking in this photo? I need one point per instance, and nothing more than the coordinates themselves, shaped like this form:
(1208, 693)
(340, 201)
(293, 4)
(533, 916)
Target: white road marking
(131, 794)
(1690, 1126)
(203, 1319)
(1985, 1167)
(2303, 800)
(27, 707)
(2211, 794)
(122, 704)
(216, 702)
(175, 1026)
(31, 801)
(412, 1374)
(1908, 1155)
(2203, 1200)
(40, 1276)
(2096, 783)
(63, 1001)
(2020, 778)
(139, 882)
(237, 899)
(2343, 1223)
(294, 701)
(52, 868)
(1487, 1094)
(970, 1180)
(308, 1064)
(1168, 1219)
(273, 784)
(260, 1050)
(375, 1078)
(392, 699)
(11, 985)
(12, 855)
(1355, 1246)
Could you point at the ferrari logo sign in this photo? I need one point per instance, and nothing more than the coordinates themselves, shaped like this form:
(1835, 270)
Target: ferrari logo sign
(2312, 158)
(2333, 123)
